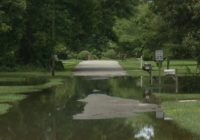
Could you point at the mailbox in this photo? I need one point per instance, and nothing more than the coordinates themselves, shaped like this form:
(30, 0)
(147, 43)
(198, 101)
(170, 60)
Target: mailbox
(147, 67)
(169, 72)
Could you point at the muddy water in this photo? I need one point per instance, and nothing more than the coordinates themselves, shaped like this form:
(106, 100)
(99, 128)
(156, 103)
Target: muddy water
(49, 115)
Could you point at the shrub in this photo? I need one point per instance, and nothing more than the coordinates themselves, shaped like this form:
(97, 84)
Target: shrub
(94, 57)
(59, 66)
(84, 55)
(110, 54)
(148, 54)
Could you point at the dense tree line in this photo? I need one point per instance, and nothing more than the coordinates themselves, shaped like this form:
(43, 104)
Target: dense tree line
(32, 30)
(172, 25)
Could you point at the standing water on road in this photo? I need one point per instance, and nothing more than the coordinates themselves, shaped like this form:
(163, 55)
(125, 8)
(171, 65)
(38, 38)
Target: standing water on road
(49, 115)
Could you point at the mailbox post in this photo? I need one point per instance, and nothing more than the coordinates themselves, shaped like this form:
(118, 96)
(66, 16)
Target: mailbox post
(159, 59)
(52, 64)
(148, 68)
(172, 73)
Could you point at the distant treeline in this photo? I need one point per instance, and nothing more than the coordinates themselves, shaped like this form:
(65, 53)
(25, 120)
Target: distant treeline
(31, 31)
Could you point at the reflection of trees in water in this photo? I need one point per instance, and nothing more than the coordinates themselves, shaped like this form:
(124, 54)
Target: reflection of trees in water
(48, 116)
(40, 118)
(86, 86)
(125, 87)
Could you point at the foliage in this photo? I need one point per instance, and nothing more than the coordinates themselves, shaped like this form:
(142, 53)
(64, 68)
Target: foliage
(32, 31)
(148, 55)
(59, 66)
(84, 55)
(183, 19)
(110, 54)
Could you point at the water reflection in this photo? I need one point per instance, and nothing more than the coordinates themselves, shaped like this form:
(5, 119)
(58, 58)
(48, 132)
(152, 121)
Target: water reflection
(182, 84)
(147, 132)
(48, 116)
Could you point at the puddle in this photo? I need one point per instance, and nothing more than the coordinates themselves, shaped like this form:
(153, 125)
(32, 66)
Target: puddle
(101, 106)
(49, 116)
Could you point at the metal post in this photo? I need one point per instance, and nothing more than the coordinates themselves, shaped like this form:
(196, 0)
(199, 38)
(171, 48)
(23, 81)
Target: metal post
(141, 81)
(151, 80)
(160, 76)
(177, 84)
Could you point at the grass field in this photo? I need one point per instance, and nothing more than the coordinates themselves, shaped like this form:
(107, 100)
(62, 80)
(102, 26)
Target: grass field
(186, 115)
(163, 97)
(68, 65)
(183, 67)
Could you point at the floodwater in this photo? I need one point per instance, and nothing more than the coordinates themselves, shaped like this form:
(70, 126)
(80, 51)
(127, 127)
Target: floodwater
(185, 84)
(49, 115)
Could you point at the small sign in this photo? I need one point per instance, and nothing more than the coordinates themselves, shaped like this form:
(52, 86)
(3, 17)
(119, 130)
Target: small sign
(159, 55)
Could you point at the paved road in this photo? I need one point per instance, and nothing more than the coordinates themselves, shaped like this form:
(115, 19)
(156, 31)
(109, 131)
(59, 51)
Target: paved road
(105, 68)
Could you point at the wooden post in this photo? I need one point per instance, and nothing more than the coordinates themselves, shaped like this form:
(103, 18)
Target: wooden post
(141, 62)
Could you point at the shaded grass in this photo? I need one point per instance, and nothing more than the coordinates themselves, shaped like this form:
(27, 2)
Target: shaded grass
(68, 65)
(186, 115)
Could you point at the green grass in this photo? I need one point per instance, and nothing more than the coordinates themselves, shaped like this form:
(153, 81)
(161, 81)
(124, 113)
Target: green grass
(11, 98)
(176, 97)
(132, 66)
(29, 88)
(183, 67)
(15, 84)
(4, 108)
(186, 115)
(68, 65)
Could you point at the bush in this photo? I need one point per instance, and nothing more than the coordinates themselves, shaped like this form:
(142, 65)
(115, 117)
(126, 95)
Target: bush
(84, 55)
(148, 55)
(94, 57)
(71, 55)
(59, 66)
(110, 54)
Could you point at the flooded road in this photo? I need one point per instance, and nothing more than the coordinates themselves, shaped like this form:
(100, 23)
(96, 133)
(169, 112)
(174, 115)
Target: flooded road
(49, 115)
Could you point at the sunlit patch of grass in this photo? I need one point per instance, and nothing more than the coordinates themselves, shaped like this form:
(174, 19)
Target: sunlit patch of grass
(27, 89)
(183, 67)
(186, 115)
(174, 97)
(4, 108)
(10, 98)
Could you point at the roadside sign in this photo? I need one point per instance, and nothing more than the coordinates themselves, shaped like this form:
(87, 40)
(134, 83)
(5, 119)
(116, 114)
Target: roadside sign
(159, 55)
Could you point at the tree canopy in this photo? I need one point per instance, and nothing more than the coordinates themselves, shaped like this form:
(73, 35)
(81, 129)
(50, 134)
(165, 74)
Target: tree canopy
(31, 31)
